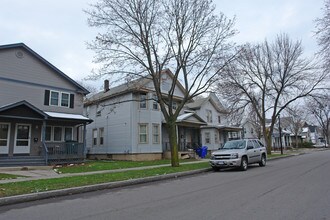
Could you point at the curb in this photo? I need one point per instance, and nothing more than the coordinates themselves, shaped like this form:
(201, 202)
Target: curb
(83, 189)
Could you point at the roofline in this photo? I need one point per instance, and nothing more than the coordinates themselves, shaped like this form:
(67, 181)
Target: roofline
(24, 102)
(43, 60)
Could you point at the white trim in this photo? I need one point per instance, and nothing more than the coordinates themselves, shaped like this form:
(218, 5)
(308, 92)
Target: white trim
(5, 149)
(59, 103)
(139, 134)
(22, 149)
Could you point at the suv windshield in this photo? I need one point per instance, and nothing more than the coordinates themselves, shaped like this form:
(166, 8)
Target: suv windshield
(239, 144)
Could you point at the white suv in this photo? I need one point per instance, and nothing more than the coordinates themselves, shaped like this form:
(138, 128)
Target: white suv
(239, 153)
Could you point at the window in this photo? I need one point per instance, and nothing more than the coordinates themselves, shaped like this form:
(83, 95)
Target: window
(101, 136)
(143, 133)
(68, 134)
(216, 138)
(208, 116)
(54, 97)
(143, 101)
(57, 133)
(174, 105)
(94, 137)
(4, 129)
(251, 130)
(65, 99)
(154, 102)
(219, 119)
(155, 134)
(207, 138)
(48, 136)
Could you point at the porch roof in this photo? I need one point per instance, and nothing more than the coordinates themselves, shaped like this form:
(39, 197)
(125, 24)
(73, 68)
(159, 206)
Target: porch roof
(25, 110)
(224, 127)
(66, 116)
(190, 118)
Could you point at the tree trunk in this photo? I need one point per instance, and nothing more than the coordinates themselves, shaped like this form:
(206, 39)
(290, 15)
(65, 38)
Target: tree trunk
(171, 129)
(296, 141)
(268, 140)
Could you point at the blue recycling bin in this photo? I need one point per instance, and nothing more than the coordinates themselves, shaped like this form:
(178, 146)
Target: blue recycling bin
(199, 151)
(203, 152)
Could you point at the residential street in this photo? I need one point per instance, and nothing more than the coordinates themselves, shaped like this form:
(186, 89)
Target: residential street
(289, 188)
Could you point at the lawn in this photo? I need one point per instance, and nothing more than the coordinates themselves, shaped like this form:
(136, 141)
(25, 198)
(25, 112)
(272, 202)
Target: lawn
(90, 166)
(4, 176)
(25, 187)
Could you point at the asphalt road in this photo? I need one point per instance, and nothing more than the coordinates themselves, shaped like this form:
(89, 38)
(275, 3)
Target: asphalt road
(291, 188)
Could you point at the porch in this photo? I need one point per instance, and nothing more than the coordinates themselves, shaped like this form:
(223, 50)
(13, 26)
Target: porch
(28, 133)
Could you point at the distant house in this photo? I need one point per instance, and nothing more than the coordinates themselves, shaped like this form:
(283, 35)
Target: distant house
(217, 131)
(40, 110)
(128, 123)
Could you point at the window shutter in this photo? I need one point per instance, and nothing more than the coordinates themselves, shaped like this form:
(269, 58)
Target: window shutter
(71, 100)
(46, 99)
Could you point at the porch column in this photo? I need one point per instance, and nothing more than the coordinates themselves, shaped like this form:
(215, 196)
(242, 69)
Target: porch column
(43, 139)
(84, 140)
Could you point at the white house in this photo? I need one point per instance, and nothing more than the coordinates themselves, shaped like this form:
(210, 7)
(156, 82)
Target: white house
(129, 125)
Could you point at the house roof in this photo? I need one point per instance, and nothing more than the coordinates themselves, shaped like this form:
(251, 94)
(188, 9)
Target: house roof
(134, 85)
(223, 127)
(212, 98)
(45, 62)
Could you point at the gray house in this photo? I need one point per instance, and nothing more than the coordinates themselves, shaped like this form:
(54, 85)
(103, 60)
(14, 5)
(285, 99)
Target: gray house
(217, 130)
(40, 110)
(128, 123)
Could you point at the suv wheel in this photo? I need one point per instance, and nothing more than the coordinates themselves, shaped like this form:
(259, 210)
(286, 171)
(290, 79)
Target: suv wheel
(244, 164)
(262, 162)
(215, 168)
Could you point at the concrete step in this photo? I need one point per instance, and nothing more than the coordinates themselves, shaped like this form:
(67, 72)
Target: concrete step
(22, 161)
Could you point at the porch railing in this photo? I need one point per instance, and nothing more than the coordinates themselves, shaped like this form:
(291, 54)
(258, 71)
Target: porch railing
(65, 152)
(183, 146)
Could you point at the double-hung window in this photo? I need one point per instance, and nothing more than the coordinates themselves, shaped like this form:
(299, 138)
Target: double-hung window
(154, 102)
(143, 133)
(59, 99)
(65, 99)
(155, 134)
(54, 98)
(143, 101)
(101, 136)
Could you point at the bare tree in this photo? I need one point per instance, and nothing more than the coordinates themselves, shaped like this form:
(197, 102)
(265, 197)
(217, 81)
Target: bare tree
(323, 35)
(141, 38)
(296, 118)
(269, 77)
(319, 106)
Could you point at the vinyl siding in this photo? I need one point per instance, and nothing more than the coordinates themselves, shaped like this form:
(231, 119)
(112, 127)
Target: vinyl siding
(27, 79)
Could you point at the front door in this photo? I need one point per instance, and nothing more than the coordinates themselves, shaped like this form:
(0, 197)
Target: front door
(4, 138)
(22, 140)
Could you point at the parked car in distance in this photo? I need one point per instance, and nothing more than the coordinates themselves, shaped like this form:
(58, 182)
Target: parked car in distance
(239, 153)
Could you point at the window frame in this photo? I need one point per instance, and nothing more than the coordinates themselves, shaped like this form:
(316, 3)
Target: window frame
(155, 136)
(59, 98)
(101, 136)
(155, 102)
(50, 98)
(209, 117)
(94, 139)
(64, 136)
(207, 137)
(65, 93)
(146, 133)
(143, 101)
(61, 133)
(8, 134)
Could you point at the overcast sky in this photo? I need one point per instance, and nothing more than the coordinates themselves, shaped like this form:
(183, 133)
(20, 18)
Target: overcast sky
(58, 31)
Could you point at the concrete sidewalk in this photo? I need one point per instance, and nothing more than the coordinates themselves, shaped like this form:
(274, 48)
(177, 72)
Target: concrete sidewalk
(47, 172)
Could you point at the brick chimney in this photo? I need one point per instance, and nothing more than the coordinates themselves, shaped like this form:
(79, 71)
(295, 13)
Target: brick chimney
(106, 85)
